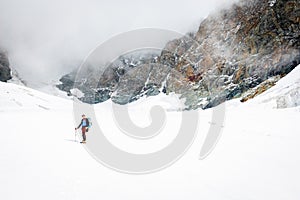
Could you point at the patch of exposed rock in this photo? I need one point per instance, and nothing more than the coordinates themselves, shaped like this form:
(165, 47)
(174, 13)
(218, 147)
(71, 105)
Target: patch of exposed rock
(5, 71)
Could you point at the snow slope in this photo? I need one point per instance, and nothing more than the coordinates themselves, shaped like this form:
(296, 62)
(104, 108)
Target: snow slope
(285, 94)
(255, 159)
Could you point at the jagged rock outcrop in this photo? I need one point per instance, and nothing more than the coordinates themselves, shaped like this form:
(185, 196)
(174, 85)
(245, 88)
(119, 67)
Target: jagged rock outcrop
(98, 85)
(237, 50)
(261, 88)
(5, 71)
(285, 94)
(149, 80)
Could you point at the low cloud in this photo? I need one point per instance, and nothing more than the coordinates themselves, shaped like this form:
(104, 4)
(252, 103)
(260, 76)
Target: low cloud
(46, 39)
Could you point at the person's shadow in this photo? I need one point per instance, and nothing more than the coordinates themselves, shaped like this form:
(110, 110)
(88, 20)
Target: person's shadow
(69, 140)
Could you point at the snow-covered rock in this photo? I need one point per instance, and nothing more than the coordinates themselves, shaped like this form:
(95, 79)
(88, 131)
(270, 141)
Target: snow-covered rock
(285, 94)
(233, 51)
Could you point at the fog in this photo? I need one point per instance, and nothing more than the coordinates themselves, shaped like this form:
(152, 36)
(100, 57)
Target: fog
(48, 38)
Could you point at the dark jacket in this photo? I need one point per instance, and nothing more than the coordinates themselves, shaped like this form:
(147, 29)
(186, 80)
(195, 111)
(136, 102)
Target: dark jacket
(87, 123)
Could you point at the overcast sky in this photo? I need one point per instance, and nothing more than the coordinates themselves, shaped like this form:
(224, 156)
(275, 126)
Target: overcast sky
(46, 38)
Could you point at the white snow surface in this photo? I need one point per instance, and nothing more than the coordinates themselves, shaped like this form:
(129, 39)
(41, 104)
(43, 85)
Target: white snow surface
(286, 93)
(257, 157)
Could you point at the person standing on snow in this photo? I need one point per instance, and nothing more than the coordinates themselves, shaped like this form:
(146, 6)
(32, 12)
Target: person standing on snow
(84, 127)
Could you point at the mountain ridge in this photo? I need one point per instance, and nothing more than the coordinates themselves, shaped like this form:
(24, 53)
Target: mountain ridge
(235, 50)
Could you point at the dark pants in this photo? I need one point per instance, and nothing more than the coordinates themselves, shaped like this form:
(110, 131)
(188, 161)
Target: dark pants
(83, 129)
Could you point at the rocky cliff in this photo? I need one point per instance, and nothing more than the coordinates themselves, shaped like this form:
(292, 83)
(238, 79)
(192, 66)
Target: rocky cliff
(247, 47)
(5, 71)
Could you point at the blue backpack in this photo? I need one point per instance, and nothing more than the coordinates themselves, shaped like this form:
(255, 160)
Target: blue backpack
(90, 122)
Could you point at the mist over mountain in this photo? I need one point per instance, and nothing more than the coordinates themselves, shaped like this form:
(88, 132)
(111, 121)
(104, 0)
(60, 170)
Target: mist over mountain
(239, 51)
(171, 140)
(46, 39)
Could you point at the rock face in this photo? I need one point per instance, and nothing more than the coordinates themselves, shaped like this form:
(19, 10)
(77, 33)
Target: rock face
(5, 71)
(98, 85)
(264, 86)
(237, 50)
(285, 94)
